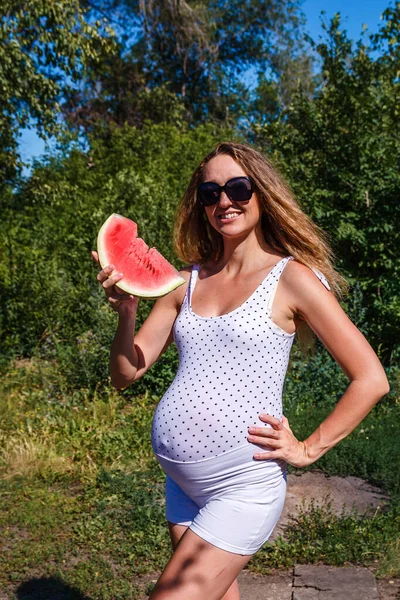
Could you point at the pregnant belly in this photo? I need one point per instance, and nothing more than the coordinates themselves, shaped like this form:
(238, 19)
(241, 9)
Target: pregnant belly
(185, 436)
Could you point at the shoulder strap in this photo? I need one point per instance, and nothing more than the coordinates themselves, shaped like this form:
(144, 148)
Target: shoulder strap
(192, 281)
(318, 273)
(276, 276)
(321, 277)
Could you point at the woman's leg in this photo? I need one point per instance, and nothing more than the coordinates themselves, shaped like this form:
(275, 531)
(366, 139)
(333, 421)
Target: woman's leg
(176, 532)
(198, 570)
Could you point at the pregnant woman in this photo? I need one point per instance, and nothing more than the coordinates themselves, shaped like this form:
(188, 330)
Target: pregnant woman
(261, 271)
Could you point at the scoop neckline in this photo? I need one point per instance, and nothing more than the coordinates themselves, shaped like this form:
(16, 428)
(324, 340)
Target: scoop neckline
(235, 310)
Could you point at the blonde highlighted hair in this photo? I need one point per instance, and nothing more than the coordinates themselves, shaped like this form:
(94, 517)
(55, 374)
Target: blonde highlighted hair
(286, 228)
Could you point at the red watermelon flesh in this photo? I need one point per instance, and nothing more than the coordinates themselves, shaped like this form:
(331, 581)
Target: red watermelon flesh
(146, 273)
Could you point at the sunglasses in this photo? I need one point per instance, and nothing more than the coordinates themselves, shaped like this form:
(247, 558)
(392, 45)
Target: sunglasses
(238, 189)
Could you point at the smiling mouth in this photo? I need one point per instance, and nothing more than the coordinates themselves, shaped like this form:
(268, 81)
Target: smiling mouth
(229, 216)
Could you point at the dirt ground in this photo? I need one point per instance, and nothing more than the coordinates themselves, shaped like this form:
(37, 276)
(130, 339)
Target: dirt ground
(348, 491)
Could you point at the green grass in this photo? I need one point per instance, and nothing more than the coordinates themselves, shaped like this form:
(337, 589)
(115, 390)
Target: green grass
(82, 512)
(370, 452)
(318, 534)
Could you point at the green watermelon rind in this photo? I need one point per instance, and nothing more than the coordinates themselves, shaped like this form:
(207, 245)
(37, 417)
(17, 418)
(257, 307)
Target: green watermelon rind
(122, 285)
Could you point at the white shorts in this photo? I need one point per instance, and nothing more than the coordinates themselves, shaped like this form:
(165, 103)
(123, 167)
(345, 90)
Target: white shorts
(232, 501)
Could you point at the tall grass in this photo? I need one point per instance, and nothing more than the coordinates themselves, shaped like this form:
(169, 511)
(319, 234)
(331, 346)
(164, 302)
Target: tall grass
(83, 496)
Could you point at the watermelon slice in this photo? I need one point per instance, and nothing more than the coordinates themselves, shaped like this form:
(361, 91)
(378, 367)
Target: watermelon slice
(146, 273)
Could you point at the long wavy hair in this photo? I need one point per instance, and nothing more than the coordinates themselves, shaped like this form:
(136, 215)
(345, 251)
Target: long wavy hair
(286, 228)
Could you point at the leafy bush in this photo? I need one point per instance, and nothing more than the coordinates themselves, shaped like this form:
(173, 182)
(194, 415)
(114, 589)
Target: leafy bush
(49, 286)
(319, 535)
(339, 150)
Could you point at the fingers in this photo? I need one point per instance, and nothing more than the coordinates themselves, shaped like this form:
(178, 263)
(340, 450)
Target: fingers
(111, 280)
(271, 438)
(273, 421)
(267, 456)
(264, 431)
(122, 297)
(115, 295)
(275, 447)
(279, 441)
(105, 273)
(108, 281)
(114, 302)
(260, 440)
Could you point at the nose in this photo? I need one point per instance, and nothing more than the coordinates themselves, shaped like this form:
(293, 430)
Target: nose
(224, 201)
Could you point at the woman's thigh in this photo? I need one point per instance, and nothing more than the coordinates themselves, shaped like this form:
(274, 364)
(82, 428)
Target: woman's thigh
(176, 531)
(198, 570)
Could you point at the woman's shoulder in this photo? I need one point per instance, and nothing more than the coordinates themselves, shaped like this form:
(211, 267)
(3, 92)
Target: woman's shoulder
(299, 276)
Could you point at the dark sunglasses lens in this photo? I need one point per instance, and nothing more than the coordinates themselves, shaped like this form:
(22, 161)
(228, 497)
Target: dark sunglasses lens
(209, 193)
(239, 190)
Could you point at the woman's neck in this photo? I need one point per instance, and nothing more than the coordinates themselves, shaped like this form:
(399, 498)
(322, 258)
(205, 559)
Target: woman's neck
(242, 255)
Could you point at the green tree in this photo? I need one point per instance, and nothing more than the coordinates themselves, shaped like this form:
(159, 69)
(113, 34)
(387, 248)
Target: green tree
(198, 51)
(340, 150)
(49, 296)
(43, 45)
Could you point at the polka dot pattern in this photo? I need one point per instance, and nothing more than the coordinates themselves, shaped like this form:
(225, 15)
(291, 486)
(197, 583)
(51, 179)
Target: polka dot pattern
(231, 368)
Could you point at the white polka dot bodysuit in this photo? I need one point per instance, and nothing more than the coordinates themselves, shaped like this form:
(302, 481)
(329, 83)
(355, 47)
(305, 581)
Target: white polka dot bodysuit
(231, 369)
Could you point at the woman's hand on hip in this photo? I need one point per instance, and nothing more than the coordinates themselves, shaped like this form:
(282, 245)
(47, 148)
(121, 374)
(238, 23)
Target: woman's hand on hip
(280, 442)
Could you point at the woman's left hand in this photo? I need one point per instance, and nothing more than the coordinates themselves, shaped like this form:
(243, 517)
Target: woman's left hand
(279, 437)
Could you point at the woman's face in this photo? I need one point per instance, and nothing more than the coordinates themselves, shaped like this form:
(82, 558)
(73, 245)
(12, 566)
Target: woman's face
(246, 215)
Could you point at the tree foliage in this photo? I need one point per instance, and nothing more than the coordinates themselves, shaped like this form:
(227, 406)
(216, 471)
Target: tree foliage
(42, 45)
(338, 146)
(50, 298)
(196, 50)
(340, 150)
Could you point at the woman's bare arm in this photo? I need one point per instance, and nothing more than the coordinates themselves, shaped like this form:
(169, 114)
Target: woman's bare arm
(353, 353)
(368, 382)
(133, 354)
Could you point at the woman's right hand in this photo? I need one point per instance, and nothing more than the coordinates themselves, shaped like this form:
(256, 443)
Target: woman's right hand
(124, 304)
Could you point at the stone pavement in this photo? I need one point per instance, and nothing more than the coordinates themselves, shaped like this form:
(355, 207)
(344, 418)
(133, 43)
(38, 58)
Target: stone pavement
(310, 582)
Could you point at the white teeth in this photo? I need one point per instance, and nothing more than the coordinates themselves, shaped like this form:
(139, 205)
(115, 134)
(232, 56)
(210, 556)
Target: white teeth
(229, 216)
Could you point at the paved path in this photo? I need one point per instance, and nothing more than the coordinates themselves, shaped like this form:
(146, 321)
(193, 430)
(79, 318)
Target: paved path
(311, 582)
(314, 582)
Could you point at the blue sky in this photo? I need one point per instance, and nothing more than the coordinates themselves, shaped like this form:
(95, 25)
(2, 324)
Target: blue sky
(354, 13)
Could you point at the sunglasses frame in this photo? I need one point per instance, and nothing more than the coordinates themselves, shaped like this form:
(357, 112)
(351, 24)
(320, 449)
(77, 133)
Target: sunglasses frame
(223, 188)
